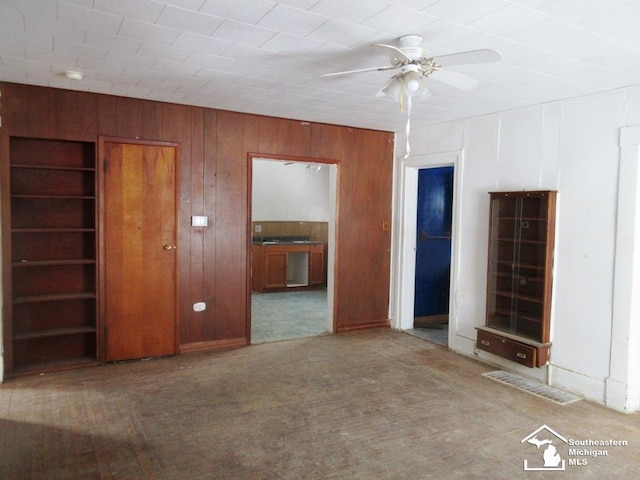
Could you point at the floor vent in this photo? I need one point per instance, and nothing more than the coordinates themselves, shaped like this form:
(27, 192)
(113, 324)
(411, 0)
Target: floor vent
(531, 386)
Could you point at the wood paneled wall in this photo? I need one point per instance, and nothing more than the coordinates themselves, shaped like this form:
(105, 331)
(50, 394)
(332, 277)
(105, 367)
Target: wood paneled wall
(214, 181)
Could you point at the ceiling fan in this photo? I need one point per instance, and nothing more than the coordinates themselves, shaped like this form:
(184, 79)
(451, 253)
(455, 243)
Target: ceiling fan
(415, 65)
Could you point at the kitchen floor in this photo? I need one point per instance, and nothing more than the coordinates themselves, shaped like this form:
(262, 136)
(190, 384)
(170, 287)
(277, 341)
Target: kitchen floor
(288, 315)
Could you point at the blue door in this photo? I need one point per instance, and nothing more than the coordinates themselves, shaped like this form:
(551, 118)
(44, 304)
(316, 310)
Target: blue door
(433, 243)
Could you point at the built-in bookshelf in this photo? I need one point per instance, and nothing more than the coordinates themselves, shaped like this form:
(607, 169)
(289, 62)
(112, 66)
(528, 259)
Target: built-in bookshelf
(53, 254)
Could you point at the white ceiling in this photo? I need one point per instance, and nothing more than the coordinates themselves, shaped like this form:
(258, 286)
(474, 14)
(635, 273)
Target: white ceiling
(266, 57)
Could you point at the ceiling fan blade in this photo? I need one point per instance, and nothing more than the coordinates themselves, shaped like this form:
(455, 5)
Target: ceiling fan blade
(454, 79)
(374, 69)
(472, 56)
(395, 49)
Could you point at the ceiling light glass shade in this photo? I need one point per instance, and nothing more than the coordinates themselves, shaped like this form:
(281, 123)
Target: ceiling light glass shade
(393, 89)
(410, 84)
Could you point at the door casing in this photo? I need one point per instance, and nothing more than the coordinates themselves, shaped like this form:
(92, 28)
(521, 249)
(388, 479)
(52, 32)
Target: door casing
(404, 255)
(332, 260)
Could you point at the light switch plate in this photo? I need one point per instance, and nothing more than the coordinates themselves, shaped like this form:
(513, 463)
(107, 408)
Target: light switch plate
(199, 221)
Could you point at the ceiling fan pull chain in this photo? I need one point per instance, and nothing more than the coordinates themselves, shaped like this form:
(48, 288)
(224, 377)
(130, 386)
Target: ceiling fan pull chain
(408, 126)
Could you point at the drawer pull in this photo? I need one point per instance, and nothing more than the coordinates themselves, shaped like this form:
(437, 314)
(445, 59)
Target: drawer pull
(484, 342)
(521, 355)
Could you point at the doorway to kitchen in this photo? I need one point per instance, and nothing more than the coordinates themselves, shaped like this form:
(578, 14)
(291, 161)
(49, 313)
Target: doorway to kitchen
(293, 210)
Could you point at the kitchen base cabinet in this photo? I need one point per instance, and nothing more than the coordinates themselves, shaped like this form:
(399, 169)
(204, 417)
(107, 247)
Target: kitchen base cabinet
(316, 264)
(285, 266)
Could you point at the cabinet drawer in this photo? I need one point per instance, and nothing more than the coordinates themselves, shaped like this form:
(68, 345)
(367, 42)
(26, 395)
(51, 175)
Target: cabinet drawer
(528, 355)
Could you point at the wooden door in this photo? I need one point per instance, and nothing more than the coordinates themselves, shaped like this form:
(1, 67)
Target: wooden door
(139, 249)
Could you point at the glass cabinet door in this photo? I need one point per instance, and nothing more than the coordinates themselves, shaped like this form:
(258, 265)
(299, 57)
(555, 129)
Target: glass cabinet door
(520, 263)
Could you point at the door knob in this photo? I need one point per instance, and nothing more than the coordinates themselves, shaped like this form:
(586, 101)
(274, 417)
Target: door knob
(169, 247)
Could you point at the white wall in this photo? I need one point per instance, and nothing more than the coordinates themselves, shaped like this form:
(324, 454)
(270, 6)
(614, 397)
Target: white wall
(285, 191)
(571, 146)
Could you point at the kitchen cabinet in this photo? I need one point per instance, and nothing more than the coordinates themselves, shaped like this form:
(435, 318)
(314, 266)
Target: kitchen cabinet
(316, 264)
(275, 267)
(519, 277)
(279, 266)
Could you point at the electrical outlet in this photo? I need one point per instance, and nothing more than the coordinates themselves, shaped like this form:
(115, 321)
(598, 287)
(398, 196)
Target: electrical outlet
(199, 307)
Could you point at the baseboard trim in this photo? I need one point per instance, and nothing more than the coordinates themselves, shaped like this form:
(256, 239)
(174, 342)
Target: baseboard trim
(351, 326)
(213, 345)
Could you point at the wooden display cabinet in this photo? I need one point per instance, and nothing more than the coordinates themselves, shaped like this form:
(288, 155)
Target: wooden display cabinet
(52, 296)
(519, 280)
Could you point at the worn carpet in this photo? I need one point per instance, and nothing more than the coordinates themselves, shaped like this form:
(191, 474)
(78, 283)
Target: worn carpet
(368, 405)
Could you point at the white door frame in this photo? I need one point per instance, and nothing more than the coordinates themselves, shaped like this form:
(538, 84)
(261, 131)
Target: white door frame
(404, 254)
